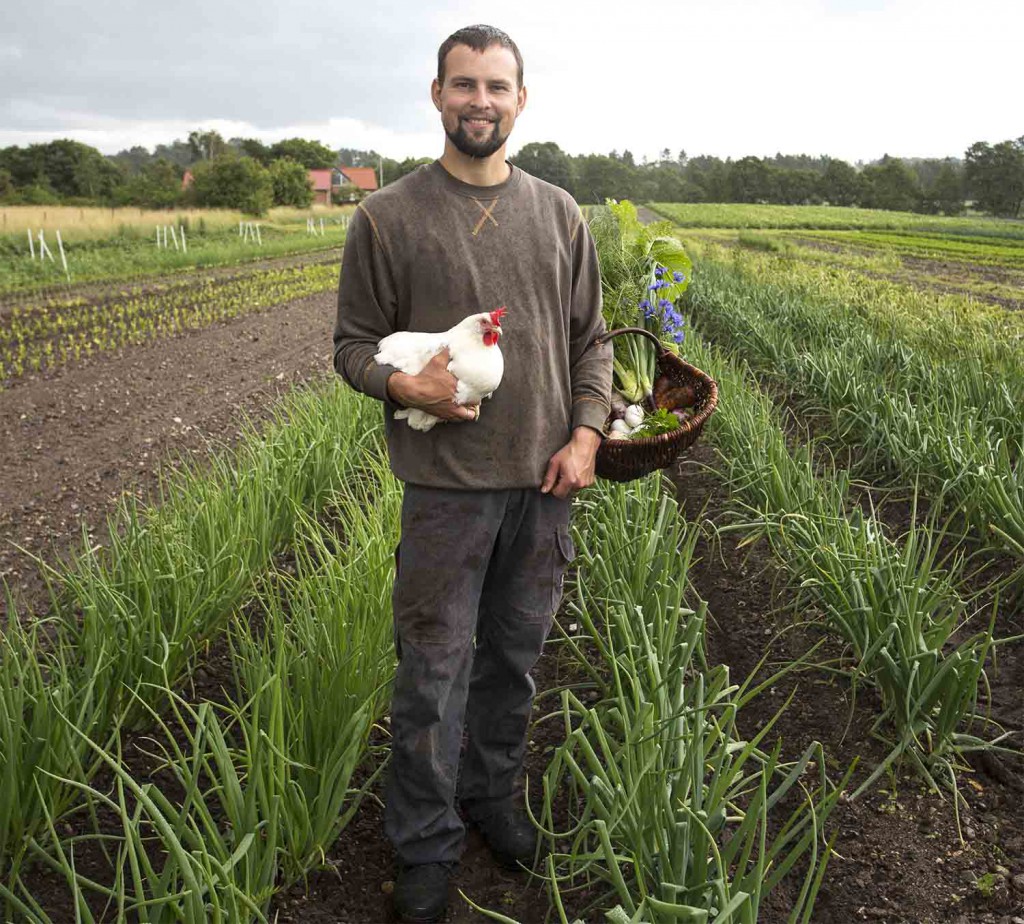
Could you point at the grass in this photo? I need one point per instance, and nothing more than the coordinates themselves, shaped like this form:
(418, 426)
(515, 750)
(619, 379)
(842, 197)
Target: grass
(131, 256)
(733, 215)
(90, 223)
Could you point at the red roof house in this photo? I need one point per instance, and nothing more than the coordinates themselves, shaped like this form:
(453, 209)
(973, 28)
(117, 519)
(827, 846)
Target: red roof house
(331, 179)
(364, 178)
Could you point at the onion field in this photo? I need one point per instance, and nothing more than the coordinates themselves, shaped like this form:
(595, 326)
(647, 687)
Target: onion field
(786, 683)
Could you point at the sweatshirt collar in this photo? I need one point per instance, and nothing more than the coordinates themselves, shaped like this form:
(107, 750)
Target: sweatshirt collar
(477, 192)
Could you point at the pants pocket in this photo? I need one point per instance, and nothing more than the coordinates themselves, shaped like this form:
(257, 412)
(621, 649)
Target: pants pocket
(565, 552)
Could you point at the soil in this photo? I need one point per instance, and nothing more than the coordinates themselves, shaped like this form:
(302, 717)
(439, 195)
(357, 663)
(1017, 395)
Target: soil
(75, 439)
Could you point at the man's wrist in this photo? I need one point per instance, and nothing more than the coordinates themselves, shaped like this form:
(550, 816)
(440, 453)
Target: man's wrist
(586, 436)
(395, 387)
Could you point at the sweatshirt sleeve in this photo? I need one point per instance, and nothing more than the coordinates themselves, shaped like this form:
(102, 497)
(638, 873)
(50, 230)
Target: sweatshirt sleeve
(590, 364)
(367, 309)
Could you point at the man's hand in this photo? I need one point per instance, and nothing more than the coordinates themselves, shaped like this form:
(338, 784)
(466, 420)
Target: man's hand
(432, 390)
(572, 467)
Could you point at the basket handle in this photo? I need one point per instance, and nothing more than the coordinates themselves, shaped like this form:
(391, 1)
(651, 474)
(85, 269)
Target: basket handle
(608, 335)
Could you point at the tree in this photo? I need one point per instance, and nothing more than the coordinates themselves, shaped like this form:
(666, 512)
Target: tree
(252, 147)
(598, 178)
(177, 152)
(132, 159)
(206, 145)
(995, 176)
(231, 182)
(890, 185)
(311, 154)
(6, 182)
(156, 186)
(797, 187)
(840, 184)
(291, 183)
(752, 180)
(946, 193)
(546, 161)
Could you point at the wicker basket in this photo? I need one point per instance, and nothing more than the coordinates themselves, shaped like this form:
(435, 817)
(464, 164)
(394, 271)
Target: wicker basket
(627, 460)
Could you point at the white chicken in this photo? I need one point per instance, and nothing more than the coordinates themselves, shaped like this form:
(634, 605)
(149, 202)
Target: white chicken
(476, 360)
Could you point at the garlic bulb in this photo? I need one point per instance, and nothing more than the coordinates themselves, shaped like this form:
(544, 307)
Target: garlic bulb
(620, 426)
(634, 416)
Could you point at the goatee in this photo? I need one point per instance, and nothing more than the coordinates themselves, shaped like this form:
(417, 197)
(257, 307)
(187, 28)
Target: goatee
(466, 144)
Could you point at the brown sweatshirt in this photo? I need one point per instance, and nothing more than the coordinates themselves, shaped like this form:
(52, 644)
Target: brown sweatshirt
(428, 250)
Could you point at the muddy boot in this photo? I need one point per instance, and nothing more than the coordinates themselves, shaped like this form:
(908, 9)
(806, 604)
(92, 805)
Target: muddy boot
(511, 838)
(421, 892)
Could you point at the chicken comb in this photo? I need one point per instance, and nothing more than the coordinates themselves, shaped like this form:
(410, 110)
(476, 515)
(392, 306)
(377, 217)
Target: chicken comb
(497, 315)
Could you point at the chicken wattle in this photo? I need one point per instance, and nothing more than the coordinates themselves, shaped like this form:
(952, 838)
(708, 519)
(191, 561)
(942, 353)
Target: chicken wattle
(476, 360)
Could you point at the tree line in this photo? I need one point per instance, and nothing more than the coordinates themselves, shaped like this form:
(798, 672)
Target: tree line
(991, 176)
(247, 174)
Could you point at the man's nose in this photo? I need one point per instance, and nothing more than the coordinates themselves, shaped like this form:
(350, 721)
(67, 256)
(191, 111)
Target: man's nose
(481, 98)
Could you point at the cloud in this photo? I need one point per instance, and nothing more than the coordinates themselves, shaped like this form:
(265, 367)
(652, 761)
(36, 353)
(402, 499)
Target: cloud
(851, 78)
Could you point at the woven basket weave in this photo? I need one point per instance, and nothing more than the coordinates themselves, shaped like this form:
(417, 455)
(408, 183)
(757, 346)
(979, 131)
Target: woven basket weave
(627, 460)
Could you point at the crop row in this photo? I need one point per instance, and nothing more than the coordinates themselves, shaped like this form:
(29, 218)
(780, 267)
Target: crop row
(33, 339)
(950, 420)
(127, 620)
(711, 215)
(935, 324)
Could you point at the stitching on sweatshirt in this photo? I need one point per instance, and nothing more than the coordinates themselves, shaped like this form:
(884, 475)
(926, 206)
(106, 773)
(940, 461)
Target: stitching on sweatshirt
(603, 404)
(579, 221)
(487, 210)
(373, 225)
(366, 372)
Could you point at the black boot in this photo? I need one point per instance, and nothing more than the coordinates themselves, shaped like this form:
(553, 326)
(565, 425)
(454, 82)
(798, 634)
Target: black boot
(511, 838)
(421, 892)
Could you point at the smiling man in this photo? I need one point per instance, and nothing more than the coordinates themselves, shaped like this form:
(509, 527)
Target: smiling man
(485, 515)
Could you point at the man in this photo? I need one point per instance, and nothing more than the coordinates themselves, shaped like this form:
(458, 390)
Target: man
(485, 540)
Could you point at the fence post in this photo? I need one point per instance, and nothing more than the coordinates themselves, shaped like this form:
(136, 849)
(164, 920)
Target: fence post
(63, 259)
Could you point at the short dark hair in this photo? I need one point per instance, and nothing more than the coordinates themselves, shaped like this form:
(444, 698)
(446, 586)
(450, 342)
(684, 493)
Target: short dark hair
(479, 38)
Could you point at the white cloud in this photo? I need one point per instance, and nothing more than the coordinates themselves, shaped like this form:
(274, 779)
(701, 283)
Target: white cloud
(850, 78)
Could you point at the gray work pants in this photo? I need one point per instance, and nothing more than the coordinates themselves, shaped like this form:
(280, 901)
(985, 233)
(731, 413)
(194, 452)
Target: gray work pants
(473, 566)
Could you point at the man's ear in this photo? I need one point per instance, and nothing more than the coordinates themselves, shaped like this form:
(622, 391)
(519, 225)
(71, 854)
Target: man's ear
(522, 100)
(435, 93)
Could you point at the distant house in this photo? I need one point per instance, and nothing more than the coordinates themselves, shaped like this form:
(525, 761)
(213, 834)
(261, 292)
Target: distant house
(187, 180)
(345, 182)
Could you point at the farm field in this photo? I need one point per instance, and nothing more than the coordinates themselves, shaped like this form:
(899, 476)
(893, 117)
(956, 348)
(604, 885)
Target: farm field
(122, 245)
(981, 259)
(252, 582)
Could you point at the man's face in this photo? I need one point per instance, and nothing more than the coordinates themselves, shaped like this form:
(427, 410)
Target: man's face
(480, 99)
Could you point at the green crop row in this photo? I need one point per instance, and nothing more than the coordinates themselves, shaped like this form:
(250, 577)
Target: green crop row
(947, 415)
(33, 338)
(710, 215)
(891, 602)
(668, 807)
(127, 620)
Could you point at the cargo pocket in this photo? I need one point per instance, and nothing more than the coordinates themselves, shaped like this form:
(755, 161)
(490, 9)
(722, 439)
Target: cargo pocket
(565, 552)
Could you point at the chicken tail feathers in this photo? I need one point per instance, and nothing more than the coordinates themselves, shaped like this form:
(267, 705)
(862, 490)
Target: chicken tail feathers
(417, 419)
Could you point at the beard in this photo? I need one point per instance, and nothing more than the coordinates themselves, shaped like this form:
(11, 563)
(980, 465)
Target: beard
(468, 145)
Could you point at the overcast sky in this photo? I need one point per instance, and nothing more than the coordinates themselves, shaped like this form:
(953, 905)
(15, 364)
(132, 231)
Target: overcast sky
(850, 78)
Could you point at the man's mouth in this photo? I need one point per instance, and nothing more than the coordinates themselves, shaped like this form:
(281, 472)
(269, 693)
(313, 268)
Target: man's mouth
(477, 123)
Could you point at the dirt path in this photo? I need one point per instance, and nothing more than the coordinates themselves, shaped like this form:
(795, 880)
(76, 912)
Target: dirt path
(73, 440)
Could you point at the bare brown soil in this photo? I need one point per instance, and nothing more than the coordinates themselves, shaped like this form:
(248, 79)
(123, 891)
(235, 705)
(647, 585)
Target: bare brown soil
(73, 440)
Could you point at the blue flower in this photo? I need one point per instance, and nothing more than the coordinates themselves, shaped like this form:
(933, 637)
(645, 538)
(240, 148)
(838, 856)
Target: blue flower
(678, 277)
(679, 336)
(645, 304)
(654, 286)
(664, 303)
(658, 271)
